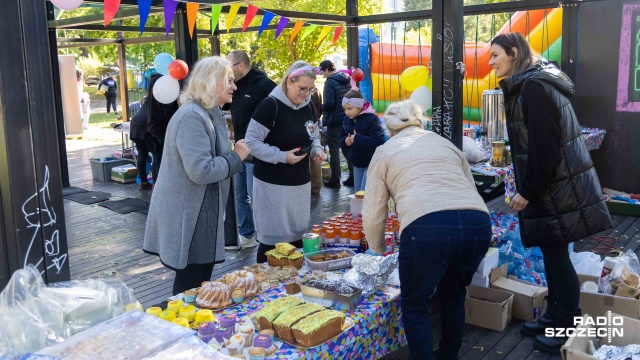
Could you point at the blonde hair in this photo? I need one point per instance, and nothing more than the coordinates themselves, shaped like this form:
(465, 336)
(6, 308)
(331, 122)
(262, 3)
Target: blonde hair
(203, 80)
(403, 114)
(296, 65)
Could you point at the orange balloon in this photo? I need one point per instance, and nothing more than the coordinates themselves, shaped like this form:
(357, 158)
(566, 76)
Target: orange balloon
(178, 69)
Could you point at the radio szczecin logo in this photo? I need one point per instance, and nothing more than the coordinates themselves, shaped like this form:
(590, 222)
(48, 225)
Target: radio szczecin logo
(601, 326)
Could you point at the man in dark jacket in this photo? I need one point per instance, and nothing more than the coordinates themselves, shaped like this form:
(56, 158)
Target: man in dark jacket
(110, 93)
(336, 86)
(253, 86)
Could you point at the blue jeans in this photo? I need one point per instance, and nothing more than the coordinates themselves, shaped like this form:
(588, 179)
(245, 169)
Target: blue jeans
(359, 178)
(439, 251)
(244, 193)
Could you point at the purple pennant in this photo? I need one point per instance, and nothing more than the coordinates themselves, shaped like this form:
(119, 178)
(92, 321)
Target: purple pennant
(266, 20)
(281, 25)
(169, 11)
(144, 6)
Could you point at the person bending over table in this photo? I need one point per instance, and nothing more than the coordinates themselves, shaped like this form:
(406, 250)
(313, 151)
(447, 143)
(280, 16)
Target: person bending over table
(445, 225)
(185, 226)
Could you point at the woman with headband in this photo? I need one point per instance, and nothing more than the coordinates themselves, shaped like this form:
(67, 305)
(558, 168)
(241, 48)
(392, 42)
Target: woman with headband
(283, 135)
(360, 135)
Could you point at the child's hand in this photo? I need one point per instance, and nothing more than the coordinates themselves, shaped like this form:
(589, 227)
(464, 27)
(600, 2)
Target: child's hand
(349, 139)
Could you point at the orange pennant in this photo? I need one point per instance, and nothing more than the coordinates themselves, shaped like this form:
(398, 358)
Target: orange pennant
(296, 29)
(110, 10)
(192, 14)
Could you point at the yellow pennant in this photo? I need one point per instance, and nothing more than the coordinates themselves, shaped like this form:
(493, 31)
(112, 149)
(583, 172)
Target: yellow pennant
(233, 11)
(323, 34)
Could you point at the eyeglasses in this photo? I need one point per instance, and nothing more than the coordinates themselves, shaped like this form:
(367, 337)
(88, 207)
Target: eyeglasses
(304, 90)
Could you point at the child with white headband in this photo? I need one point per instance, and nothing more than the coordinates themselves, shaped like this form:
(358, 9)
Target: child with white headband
(360, 135)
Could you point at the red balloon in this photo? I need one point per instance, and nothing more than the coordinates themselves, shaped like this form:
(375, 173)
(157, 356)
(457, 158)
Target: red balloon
(178, 69)
(357, 75)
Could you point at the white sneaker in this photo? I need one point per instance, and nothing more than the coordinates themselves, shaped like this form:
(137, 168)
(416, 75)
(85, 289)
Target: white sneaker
(246, 243)
(231, 247)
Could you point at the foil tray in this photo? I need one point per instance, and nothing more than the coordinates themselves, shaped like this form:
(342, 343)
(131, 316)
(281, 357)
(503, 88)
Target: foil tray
(331, 299)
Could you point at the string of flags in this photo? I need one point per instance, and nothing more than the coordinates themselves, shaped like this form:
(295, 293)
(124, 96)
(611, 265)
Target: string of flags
(144, 7)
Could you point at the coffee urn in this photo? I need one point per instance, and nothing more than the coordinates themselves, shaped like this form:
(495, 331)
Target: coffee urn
(493, 117)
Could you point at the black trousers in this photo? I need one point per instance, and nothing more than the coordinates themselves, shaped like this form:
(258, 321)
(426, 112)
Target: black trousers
(262, 248)
(191, 277)
(156, 144)
(141, 161)
(111, 101)
(562, 280)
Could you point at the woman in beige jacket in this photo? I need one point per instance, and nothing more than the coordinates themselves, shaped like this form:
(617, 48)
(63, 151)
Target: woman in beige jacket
(445, 225)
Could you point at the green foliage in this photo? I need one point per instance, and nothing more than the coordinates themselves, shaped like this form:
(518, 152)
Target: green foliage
(90, 64)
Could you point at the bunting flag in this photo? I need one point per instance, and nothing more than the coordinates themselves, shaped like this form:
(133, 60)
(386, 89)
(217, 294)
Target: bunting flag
(169, 12)
(296, 30)
(281, 25)
(215, 15)
(144, 6)
(110, 10)
(251, 13)
(266, 20)
(308, 31)
(325, 31)
(233, 11)
(336, 35)
(192, 14)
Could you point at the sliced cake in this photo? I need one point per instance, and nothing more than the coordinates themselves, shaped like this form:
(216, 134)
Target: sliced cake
(282, 325)
(285, 248)
(272, 310)
(318, 327)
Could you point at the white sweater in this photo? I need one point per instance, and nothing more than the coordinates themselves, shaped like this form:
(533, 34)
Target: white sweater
(424, 173)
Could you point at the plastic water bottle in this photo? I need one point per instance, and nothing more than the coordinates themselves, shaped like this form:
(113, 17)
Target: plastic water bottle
(505, 255)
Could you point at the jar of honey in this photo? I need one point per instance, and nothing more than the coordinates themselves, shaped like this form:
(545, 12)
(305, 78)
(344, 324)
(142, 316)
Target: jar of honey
(354, 238)
(344, 235)
(497, 154)
(316, 230)
(330, 236)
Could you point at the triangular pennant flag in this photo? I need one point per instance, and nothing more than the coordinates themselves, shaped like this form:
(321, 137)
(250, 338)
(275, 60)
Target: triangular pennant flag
(336, 35)
(281, 25)
(192, 14)
(110, 10)
(251, 13)
(233, 11)
(323, 34)
(169, 12)
(266, 20)
(144, 6)
(296, 30)
(215, 15)
(308, 31)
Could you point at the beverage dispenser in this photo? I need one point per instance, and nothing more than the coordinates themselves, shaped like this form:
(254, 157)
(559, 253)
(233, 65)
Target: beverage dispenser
(493, 117)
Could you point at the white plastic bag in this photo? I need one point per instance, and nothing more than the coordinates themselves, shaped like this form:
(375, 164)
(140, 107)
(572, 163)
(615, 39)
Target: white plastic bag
(586, 263)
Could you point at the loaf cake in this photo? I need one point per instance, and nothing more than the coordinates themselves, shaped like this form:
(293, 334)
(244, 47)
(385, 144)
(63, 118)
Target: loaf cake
(272, 310)
(330, 285)
(285, 248)
(318, 327)
(282, 325)
(292, 288)
(274, 258)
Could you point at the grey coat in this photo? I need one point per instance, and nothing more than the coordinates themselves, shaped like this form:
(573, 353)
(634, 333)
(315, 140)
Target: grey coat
(189, 163)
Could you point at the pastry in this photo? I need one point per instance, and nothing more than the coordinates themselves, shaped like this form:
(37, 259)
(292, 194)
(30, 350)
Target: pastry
(291, 269)
(273, 309)
(214, 295)
(318, 327)
(221, 334)
(293, 288)
(235, 344)
(274, 258)
(245, 280)
(359, 194)
(228, 321)
(270, 351)
(267, 332)
(282, 325)
(190, 296)
(330, 285)
(319, 274)
(206, 328)
(248, 330)
(262, 341)
(285, 248)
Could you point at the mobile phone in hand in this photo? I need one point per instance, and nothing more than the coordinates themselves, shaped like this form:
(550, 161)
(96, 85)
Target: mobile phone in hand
(304, 150)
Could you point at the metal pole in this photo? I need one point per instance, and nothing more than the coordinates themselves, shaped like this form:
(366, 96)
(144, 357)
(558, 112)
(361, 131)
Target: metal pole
(352, 34)
(569, 62)
(122, 65)
(215, 43)
(448, 68)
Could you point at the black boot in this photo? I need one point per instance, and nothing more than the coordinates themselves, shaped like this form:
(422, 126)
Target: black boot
(332, 183)
(552, 345)
(349, 181)
(533, 328)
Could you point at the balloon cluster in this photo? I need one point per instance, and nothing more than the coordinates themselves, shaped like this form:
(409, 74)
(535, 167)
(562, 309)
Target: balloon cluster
(417, 80)
(167, 87)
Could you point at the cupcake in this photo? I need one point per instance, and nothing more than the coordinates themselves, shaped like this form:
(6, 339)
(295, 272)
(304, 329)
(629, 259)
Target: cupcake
(248, 330)
(228, 321)
(270, 351)
(154, 311)
(190, 296)
(221, 334)
(205, 338)
(269, 333)
(237, 295)
(181, 321)
(235, 344)
(262, 341)
(206, 328)
(256, 353)
(174, 305)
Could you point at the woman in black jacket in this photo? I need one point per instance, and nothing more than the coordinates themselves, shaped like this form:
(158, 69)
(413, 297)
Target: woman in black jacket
(157, 121)
(559, 197)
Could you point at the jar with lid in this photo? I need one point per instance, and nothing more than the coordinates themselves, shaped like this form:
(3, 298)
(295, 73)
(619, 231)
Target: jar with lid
(345, 235)
(330, 236)
(354, 238)
(497, 154)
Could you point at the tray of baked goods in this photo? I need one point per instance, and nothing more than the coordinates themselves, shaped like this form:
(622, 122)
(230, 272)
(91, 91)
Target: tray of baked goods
(272, 275)
(332, 259)
(300, 324)
(222, 293)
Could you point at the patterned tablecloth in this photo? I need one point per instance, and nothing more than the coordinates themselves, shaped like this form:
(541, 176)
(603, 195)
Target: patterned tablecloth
(377, 330)
(593, 138)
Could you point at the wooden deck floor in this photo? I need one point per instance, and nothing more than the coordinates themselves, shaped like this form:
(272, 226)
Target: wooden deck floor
(105, 244)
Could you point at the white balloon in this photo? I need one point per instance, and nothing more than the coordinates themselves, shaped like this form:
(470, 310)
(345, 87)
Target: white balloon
(166, 89)
(422, 97)
(67, 4)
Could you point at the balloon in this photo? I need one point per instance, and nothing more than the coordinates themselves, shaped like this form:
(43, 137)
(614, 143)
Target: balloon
(357, 75)
(422, 97)
(178, 69)
(67, 4)
(414, 77)
(430, 83)
(161, 62)
(166, 89)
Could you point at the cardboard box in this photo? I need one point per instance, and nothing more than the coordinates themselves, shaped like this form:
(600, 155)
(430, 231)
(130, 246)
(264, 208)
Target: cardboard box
(356, 205)
(577, 348)
(485, 281)
(489, 262)
(597, 304)
(527, 298)
(478, 280)
(488, 308)
(124, 174)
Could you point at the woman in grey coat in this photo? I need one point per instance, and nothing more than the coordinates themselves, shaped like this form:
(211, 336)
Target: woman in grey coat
(185, 226)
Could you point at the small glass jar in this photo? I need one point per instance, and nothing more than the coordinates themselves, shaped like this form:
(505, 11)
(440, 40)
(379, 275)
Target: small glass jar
(330, 236)
(497, 154)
